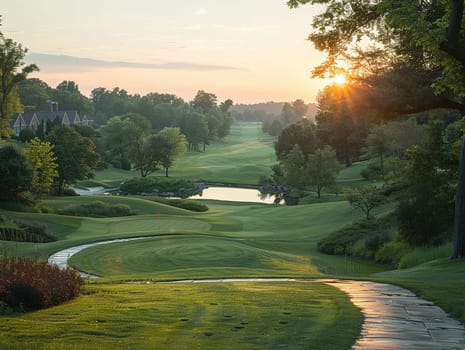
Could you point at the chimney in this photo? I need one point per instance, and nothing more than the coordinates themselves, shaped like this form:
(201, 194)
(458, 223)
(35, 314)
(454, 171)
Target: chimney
(52, 106)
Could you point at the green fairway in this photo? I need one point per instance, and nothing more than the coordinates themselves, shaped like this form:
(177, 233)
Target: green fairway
(241, 158)
(191, 316)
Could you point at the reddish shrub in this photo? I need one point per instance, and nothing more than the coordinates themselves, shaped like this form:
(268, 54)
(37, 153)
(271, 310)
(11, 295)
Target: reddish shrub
(34, 284)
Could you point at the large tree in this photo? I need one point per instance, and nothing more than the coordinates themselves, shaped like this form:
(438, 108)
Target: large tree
(169, 144)
(302, 133)
(76, 156)
(69, 97)
(15, 173)
(379, 145)
(204, 101)
(12, 72)
(136, 131)
(113, 135)
(321, 169)
(426, 37)
(34, 93)
(426, 203)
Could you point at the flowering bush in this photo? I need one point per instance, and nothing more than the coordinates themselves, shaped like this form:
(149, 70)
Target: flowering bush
(29, 284)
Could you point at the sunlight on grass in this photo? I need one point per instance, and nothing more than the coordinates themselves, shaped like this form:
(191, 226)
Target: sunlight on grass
(190, 316)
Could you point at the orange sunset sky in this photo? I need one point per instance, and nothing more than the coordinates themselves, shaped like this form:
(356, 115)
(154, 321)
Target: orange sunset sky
(247, 50)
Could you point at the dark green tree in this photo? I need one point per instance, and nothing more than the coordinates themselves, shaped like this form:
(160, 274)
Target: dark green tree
(321, 169)
(379, 145)
(15, 172)
(136, 145)
(109, 103)
(76, 156)
(169, 144)
(34, 93)
(195, 128)
(113, 135)
(69, 97)
(426, 203)
(204, 101)
(302, 133)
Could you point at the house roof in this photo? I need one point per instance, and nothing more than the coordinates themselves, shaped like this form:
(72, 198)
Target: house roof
(45, 116)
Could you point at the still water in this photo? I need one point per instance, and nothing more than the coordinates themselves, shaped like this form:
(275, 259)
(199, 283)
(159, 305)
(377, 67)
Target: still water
(233, 194)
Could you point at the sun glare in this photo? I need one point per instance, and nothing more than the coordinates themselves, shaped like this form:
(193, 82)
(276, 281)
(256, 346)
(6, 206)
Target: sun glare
(339, 79)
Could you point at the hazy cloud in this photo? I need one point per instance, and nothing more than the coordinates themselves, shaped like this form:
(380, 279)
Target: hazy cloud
(83, 63)
(201, 12)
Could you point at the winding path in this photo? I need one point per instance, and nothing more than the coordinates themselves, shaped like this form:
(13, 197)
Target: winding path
(395, 318)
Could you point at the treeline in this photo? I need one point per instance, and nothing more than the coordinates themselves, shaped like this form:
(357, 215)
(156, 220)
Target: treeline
(413, 159)
(266, 112)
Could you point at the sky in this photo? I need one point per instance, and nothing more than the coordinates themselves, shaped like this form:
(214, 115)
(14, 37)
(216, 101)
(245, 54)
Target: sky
(247, 50)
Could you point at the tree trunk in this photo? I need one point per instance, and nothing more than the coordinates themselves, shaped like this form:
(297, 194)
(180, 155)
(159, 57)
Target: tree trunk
(459, 224)
(166, 171)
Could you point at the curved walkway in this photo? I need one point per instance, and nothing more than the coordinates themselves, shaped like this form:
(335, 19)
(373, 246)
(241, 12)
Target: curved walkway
(395, 318)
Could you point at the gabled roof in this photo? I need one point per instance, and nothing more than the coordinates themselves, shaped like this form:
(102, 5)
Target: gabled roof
(71, 115)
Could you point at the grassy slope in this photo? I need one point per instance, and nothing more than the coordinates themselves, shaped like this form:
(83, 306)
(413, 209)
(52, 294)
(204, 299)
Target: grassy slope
(244, 156)
(191, 316)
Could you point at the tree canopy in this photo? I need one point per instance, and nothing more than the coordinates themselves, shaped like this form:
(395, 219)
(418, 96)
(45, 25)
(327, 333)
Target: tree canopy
(378, 42)
(12, 72)
(75, 156)
(15, 172)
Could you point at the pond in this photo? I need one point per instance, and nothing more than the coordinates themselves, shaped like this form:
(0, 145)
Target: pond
(233, 194)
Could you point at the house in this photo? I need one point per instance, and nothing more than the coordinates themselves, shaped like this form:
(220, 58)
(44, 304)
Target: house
(33, 120)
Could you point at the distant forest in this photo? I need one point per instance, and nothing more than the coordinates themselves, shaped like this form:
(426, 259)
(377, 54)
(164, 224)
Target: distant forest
(264, 111)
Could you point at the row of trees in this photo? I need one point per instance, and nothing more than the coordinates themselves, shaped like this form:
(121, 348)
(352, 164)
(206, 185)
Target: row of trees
(412, 60)
(291, 112)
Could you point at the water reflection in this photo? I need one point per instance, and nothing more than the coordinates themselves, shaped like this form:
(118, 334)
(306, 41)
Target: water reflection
(233, 194)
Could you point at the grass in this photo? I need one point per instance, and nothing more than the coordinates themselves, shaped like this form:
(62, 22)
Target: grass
(241, 158)
(191, 316)
(232, 239)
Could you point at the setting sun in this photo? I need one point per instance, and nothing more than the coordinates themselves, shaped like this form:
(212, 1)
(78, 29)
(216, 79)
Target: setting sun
(339, 79)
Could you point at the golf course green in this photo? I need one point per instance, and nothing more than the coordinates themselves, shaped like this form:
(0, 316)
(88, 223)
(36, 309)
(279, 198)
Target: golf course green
(128, 309)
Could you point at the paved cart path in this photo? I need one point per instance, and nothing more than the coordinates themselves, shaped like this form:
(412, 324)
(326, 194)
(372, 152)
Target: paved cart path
(395, 318)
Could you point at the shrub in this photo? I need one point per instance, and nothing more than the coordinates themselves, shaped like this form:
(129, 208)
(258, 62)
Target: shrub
(98, 209)
(69, 192)
(371, 172)
(24, 231)
(26, 135)
(361, 239)
(160, 186)
(390, 253)
(183, 204)
(36, 231)
(28, 284)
